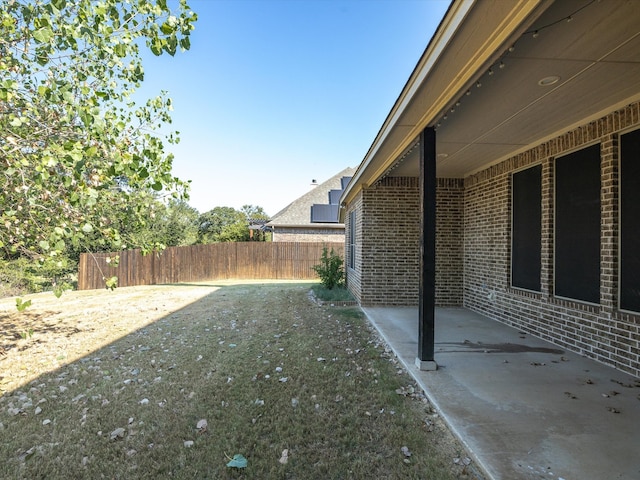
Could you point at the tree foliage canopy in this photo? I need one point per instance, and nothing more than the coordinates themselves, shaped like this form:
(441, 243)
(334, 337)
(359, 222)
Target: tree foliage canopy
(226, 224)
(71, 138)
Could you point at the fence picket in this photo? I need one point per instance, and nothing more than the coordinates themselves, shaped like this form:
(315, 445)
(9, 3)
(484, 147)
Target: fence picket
(200, 263)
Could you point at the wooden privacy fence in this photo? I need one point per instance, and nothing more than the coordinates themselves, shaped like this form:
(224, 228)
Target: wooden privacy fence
(198, 263)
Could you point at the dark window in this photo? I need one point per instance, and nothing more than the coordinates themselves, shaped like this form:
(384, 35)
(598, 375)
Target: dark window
(577, 226)
(526, 228)
(352, 239)
(629, 221)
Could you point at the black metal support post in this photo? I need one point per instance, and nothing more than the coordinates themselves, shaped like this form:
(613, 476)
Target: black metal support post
(426, 310)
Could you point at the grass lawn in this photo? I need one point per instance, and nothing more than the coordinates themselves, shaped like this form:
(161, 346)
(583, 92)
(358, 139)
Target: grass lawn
(173, 381)
(337, 295)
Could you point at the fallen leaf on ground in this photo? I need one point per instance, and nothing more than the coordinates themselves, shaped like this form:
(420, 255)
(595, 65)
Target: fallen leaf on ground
(285, 456)
(238, 461)
(202, 425)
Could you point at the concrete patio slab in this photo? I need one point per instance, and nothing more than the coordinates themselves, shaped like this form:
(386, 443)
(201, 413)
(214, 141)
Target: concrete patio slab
(524, 408)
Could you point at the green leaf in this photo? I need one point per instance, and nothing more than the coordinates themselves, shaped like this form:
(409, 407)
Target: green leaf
(43, 35)
(111, 283)
(171, 45)
(91, 151)
(22, 306)
(156, 46)
(120, 50)
(238, 461)
(167, 28)
(44, 91)
(86, 118)
(87, 228)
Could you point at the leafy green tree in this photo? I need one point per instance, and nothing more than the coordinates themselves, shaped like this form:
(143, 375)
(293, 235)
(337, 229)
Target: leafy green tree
(142, 221)
(180, 224)
(71, 137)
(211, 224)
(253, 212)
(138, 218)
(255, 215)
(226, 224)
(235, 232)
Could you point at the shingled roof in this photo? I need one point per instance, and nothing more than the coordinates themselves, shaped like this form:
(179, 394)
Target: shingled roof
(298, 212)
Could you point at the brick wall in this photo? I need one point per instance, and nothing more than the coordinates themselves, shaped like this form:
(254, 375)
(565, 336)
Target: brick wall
(330, 235)
(597, 331)
(388, 243)
(354, 275)
(449, 241)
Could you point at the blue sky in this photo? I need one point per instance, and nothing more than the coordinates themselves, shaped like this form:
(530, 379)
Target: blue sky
(275, 93)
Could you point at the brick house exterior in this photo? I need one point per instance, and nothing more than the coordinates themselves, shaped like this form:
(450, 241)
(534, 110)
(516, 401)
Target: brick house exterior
(308, 234)
(296, 222)
(476, 208)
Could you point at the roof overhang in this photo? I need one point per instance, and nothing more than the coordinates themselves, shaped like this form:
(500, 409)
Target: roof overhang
(480, 83)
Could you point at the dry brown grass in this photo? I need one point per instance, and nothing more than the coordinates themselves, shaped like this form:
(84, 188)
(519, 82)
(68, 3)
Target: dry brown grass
(114, 385)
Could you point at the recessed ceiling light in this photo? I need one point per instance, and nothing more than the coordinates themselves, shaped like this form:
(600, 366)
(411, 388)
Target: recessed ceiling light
(550, 80)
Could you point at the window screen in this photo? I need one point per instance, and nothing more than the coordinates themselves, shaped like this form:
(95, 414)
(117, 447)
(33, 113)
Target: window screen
(526, 228)
(630, 221)
(352, 239)
(577, 226)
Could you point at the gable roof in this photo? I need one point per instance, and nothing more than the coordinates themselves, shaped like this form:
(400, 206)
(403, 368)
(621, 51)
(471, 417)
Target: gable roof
(298, 212)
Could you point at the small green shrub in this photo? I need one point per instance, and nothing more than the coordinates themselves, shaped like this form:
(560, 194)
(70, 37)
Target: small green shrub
(21, 276)
(330, 269)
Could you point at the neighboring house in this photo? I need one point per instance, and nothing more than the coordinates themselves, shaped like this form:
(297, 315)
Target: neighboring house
(314, 216)
(506, 178)
(258, 229)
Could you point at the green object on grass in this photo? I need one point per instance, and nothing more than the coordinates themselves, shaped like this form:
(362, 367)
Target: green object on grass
(21, 305)
(238, 461)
